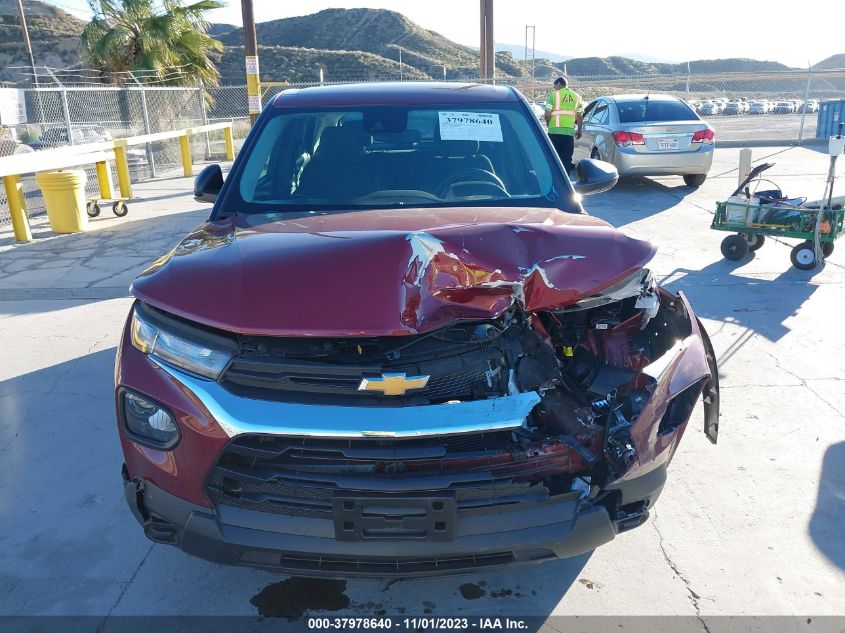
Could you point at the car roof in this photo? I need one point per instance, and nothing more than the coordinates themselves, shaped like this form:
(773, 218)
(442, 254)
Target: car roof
(394, 93)
(640, 97)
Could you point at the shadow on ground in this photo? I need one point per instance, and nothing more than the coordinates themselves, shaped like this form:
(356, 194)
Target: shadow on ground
(829, 515)
(749, 302)
(635, 198)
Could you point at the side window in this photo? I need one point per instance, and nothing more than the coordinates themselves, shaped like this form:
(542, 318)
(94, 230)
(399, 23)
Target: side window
(588, 111)
(601, 115)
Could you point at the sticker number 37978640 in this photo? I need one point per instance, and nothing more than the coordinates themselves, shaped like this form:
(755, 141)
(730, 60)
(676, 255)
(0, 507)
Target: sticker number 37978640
(470, 126)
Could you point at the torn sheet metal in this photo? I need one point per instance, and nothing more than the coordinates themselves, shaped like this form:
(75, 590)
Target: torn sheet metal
(388, 272)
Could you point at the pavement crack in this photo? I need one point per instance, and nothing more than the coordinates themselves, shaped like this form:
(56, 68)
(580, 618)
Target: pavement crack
(802, 381)
(102, 624)
(694, 597)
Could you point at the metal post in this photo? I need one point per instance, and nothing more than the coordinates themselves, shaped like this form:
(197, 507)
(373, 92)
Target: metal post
(17, 208)
(104, 180)
(122, 164)
(147, 129)
(201, 97)
(804, 107)
(400, 65)
(185, 146)
(65, 109)
(744, 165)
(230, 143)
(688, 79)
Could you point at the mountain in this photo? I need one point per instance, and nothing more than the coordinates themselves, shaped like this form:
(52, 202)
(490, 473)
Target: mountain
(54, 35)
(349, 45)
(217, 29)
(375, 31)
(835, 62)
(518, 51)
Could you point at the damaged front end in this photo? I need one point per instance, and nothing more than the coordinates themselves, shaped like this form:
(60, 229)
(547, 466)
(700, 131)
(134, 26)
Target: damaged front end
(521, 404)
(529, 407)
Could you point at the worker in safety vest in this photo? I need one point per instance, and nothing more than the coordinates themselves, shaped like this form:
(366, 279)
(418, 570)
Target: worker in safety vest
(564, 116)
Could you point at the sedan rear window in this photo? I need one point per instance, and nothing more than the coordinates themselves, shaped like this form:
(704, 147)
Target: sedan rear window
(647, 110)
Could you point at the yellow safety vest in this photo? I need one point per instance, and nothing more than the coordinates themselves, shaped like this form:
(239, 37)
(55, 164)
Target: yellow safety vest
(565, 104)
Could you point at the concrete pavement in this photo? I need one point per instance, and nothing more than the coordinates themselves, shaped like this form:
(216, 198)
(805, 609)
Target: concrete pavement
(753, 526)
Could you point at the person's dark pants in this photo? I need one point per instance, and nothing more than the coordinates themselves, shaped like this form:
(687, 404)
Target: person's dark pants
(564, 146)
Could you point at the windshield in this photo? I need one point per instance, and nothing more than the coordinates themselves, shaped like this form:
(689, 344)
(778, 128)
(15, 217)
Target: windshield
(650, 110)
(389, 156)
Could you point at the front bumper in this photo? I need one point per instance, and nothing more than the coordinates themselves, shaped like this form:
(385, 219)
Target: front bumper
(561, 528)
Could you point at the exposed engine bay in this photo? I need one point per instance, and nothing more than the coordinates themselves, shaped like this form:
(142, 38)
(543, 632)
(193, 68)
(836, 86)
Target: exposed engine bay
(595, 365)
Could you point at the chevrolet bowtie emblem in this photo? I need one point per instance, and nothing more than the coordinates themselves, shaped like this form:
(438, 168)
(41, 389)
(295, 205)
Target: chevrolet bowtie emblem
(393, 384)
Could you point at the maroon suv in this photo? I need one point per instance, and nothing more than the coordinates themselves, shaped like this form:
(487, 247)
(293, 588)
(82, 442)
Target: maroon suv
(399, 347)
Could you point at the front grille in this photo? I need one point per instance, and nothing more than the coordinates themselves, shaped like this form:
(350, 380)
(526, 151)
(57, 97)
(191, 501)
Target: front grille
(317, 382)
(302, 476)
(329, 371)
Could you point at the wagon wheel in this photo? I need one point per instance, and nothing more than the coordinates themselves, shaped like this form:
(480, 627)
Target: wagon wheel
(92, 209)
(755, 240)
(734, 247)
(803, 256)
(827, 249)
(119, 208)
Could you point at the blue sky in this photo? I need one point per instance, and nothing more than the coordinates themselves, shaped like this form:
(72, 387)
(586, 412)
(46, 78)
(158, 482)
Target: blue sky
(795, 33)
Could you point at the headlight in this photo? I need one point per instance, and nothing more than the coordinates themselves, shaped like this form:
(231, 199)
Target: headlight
(148, 337)
(148, 422)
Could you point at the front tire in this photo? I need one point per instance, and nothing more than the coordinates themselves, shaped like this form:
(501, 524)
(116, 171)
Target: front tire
(734, 247)
(695, 180)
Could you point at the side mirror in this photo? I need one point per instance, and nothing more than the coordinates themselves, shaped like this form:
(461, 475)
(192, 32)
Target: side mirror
(208, 184)
(594, 176)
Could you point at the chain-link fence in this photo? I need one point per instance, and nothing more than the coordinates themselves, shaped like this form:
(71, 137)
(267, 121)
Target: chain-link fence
(775, 107)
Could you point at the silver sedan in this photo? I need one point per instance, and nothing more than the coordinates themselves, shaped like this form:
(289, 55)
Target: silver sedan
(649, 135)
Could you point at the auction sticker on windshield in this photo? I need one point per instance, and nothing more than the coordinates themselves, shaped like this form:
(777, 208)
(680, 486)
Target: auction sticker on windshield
(470, 126)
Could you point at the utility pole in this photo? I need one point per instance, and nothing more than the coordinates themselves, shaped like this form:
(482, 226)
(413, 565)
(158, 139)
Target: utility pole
(27, 44)
(253, 84)
(488, 44)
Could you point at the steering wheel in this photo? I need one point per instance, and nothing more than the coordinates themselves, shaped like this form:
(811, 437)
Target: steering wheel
(473, 176)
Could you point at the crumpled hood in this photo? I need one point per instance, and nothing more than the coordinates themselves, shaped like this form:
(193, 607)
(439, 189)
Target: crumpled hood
(385, 272)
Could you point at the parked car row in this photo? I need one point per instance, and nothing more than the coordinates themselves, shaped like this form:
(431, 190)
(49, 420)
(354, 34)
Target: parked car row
(722, 106)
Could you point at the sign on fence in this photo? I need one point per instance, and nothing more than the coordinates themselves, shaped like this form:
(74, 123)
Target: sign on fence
(12, 106)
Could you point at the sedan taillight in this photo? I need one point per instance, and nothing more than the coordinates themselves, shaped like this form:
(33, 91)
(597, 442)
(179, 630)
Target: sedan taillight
(626, 139)
(706, 136)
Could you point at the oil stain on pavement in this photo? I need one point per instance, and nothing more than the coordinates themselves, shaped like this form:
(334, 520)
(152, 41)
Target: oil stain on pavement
(291, 598)
(471, 591)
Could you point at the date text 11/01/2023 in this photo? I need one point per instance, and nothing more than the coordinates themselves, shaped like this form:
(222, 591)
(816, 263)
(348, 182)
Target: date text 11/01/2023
(417, 623)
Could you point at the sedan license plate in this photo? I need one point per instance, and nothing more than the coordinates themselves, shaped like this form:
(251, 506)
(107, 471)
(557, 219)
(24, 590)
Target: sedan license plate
(667, 143)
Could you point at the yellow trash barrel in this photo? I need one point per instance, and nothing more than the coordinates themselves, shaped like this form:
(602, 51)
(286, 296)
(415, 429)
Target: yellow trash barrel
(64, 198)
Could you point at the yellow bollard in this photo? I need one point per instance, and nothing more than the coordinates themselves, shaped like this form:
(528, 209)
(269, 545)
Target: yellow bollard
(185, 145)
(230, 143)
(104, 180)
(17, 208)
(122, 165)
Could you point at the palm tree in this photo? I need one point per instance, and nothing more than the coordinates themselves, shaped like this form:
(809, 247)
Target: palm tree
(163, 36)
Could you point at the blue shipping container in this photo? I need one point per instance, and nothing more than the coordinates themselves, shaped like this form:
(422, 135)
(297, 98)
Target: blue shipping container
(831, 114)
